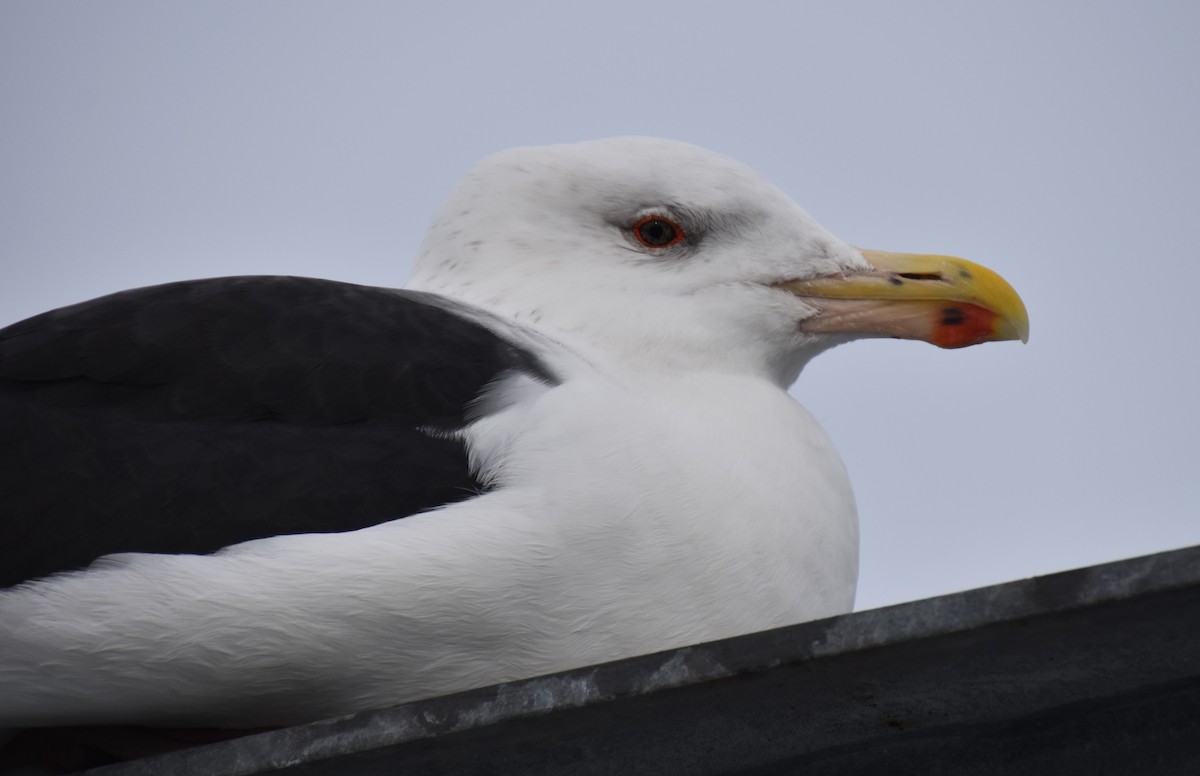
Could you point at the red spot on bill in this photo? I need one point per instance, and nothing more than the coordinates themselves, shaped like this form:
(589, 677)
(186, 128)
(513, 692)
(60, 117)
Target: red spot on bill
(962, 324)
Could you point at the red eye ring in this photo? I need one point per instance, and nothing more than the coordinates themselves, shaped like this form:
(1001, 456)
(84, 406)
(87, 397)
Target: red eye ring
(658, 232)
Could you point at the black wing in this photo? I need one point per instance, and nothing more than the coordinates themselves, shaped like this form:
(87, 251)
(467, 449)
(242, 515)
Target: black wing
(191, 416)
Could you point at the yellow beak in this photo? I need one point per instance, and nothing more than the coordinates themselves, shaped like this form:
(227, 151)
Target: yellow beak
(944, 300)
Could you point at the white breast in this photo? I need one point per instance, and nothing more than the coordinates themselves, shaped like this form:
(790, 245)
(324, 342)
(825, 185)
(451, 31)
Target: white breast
(700, 507)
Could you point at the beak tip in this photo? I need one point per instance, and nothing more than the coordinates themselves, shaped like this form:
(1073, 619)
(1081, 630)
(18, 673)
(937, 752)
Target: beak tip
(1020, 323)
(1009, 329)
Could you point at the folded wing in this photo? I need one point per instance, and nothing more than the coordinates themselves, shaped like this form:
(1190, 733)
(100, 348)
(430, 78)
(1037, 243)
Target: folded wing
(190, 416)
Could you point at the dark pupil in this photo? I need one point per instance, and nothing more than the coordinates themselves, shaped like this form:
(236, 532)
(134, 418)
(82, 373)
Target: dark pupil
(657, 232)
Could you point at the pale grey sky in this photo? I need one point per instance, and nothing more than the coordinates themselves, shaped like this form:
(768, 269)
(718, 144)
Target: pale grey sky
(148, 141)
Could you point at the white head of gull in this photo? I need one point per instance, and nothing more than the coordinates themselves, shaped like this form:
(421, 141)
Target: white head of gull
(549, 237)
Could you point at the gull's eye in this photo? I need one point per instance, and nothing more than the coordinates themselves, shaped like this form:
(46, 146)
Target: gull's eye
(657, 232)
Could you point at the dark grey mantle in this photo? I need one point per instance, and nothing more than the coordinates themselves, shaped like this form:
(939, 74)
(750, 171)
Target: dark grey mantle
(1089, 671)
